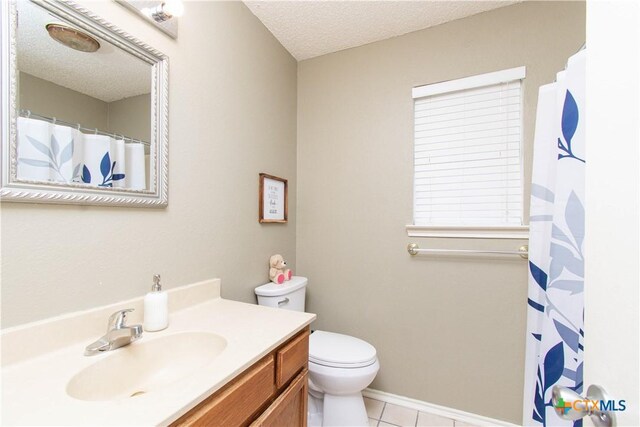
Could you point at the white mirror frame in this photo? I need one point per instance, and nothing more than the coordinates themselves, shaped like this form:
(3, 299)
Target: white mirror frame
(14, 190)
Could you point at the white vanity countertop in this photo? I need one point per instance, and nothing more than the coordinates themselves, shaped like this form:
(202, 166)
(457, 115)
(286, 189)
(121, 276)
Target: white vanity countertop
(34, 384)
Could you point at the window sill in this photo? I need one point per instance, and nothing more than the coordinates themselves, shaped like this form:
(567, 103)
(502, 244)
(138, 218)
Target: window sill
(517, 232)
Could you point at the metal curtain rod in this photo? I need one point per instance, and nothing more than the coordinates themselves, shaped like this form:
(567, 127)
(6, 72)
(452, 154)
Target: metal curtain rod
(29, 114)
(414, 249)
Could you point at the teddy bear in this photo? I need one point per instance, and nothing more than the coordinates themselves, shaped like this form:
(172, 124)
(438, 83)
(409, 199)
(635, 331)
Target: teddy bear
(278, 272)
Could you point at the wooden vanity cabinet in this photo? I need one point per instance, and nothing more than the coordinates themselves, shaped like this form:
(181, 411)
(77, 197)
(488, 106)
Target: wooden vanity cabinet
(290, 408)
(272, 392)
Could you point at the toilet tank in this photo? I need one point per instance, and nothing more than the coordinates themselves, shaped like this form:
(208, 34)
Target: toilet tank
(290, 295)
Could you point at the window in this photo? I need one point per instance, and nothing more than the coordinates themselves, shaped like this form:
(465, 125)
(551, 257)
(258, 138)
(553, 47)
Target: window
(468, 162)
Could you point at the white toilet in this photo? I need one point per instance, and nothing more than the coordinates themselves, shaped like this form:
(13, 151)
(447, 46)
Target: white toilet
(340, 366)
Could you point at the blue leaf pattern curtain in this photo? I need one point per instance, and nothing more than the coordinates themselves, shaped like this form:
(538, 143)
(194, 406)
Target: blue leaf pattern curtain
(59, 153)
(555, 307)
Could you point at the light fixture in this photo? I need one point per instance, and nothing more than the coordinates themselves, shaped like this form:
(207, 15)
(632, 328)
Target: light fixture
(166, 10)
(158, 13)
(72, 37)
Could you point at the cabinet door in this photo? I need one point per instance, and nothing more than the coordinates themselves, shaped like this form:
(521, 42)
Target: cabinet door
(290, 408)
(238, 402)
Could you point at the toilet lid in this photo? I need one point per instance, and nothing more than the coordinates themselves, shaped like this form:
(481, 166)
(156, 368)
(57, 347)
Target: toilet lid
(342, 351)
(273, 290)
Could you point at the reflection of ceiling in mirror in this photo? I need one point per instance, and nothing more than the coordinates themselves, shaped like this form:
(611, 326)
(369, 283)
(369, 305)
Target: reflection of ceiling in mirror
(109, 74)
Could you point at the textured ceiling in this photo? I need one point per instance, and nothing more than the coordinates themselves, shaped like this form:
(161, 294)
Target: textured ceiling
(309, 28)
(109, 74)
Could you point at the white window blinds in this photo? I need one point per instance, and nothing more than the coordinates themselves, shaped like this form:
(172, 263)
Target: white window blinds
(468, 135)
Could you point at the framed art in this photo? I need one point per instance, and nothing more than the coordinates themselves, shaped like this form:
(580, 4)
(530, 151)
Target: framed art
(272, 199)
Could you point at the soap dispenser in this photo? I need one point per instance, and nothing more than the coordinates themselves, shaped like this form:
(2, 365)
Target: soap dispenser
(156, 307)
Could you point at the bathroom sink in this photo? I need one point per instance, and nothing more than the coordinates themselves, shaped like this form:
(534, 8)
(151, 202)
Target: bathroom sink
(146, 366)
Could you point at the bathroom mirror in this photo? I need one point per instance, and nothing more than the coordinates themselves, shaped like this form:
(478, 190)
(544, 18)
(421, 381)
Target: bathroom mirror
(84, 109)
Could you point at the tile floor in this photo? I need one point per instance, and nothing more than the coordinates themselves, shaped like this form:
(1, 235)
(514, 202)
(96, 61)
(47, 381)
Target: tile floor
(383, 414)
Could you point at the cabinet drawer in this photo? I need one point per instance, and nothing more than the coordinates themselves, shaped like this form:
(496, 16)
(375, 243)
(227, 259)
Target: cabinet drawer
(292, 358)
(290, 408)
(238, 402)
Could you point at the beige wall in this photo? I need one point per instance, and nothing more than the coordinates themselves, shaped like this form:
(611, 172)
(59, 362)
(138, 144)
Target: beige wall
(232, 115)
(52, 100)
(131, 117)
(448, 330)
(128, 116)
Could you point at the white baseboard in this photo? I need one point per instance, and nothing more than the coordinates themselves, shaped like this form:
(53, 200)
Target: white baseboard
(443, 411)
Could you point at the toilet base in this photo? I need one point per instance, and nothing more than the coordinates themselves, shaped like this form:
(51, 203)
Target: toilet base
(314, 409)
(337, 411)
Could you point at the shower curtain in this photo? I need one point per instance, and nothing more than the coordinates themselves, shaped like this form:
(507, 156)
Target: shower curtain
(554, 341)
(59, 153)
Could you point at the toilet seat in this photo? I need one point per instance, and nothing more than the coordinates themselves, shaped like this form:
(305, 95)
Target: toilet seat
(340, 351)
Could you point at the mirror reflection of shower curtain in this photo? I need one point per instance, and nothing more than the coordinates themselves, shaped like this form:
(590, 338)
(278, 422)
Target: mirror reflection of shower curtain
(59, 153)
(555, 330)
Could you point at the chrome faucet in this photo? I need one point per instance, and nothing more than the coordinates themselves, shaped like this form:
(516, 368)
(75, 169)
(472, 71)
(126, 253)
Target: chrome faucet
(118, 334)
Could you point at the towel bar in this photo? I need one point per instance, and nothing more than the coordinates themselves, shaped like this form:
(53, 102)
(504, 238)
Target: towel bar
(414, 249)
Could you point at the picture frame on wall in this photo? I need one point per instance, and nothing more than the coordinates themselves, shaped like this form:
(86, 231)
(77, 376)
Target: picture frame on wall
(272, 199)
